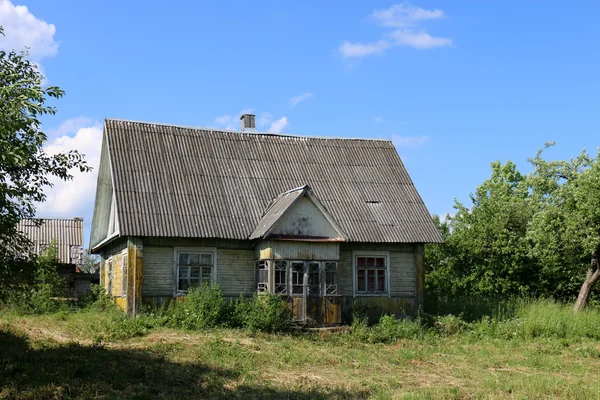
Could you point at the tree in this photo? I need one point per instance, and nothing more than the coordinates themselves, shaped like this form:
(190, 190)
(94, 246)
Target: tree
(485, 247)
(25, 168)
(566, 230)
(534, 235)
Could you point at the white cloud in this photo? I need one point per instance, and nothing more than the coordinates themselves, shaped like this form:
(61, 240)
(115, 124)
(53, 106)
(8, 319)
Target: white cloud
(409, 141)
(278, 125)
(71, 126)
(75, 197)
(404, 15)
(300, 98)
(405, 19)
(418, 40)
(349, 49)
(22, 29)
(379, 120)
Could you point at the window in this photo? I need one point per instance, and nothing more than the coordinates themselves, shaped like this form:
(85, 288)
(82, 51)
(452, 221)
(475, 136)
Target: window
(124, 274)
(330, 278)
(194, 268)
(371, 273)
(109, 276)
(262, 276)
(297, 277)
(281, 272)
(314, 283)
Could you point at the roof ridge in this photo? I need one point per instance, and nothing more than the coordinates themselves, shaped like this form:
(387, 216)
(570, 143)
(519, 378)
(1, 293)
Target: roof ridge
(55, 219)
(285, 135)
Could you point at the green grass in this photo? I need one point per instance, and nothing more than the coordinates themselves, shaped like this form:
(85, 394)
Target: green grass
(538, 350)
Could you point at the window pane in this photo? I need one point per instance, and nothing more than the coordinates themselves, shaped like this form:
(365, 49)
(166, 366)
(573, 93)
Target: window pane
(194, 259)
(370, 280)
(184, 259)
(183, 272)
(262, 277)
(314, 284)
(297, 277)
(361, 262)
(360, 277)
(381, 280)
(194, 272)
(206, 259)
(280, 277)
(380, 262)
(183, 282)
(370, 262)
(206, 274)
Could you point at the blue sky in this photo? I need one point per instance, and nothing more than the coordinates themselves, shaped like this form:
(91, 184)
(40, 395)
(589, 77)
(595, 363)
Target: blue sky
(456, 85)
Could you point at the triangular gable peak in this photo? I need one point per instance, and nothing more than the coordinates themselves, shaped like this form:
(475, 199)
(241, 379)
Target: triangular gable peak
(298, 215)
(105, 221)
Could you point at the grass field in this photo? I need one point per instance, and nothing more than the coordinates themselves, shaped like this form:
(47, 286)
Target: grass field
(78, 355)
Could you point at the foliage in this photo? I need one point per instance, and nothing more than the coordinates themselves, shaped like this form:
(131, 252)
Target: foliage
(25, 168)
(262, 313)
(47, 291)
(97, 299)
(522, 235)
(48, 287)
(203, 308)
(388, 329)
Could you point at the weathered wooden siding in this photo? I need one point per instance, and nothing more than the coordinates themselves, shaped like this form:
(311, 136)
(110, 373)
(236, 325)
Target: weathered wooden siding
(304, 219)
(402, 274)
(291, 250)
(235, 271)
(158, 271)
(402, 268)
(345, 274)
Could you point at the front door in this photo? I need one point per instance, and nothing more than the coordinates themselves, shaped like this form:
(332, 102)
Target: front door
(314, 297)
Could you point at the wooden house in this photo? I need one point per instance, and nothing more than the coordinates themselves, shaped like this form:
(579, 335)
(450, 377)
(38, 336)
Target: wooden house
(327, 223)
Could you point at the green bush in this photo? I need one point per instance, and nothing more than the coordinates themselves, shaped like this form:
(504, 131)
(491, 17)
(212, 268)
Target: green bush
(204, 307)
(97, 299)
(262, 313)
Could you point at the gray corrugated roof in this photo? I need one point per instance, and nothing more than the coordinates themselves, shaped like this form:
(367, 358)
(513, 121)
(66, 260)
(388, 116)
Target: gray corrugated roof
(275, 211)
(68, 233)
(191, 182)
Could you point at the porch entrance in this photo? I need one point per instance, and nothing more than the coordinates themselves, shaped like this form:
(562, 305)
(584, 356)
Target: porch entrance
(313, 297)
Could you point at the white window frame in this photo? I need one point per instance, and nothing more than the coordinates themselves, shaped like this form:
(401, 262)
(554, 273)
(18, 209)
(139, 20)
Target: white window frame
(177, 250)
(124, 272)
(355, 255)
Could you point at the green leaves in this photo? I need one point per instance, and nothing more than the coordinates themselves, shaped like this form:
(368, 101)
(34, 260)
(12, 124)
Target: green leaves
(25, 169)
(523, 234)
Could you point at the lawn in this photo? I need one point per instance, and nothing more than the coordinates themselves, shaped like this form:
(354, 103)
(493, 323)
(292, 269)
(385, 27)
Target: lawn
(75, 355)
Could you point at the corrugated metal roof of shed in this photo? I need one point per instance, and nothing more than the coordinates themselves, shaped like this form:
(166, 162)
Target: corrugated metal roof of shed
(193, 182)
(66, 232)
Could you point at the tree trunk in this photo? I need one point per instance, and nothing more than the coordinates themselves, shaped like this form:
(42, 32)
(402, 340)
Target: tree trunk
(591, 278)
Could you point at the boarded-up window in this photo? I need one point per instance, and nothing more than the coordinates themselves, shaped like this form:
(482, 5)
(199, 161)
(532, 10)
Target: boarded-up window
(194, 269)
(371, 274)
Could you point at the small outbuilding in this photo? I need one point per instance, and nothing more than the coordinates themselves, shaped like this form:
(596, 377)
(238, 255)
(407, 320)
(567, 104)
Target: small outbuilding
(327, 223)
(67, 235)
